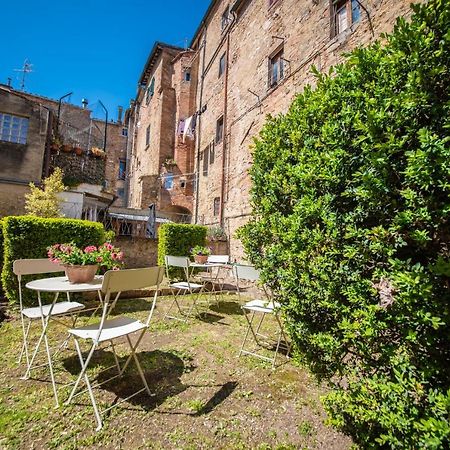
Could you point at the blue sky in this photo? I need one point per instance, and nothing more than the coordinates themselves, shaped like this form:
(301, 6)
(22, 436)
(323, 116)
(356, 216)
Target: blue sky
(94, 48)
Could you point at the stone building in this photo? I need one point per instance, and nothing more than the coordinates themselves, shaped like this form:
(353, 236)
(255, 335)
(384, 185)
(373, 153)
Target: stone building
(160, 154)
(61, 135)
(25, 128)
(253, 57)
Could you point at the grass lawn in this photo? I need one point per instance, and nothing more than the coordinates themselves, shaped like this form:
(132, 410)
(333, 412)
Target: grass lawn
(205, 397)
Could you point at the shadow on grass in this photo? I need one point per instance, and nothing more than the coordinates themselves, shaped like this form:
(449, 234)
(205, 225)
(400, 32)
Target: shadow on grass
(224, 392)
(230, 308)
(163, 371)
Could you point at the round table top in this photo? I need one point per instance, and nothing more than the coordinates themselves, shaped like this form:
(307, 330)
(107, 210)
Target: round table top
(61, 284)
(212, 264)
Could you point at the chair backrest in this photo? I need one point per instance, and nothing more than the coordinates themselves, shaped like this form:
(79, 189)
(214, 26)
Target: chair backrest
(177, 261)
(131, 279)
(35, 266)
(243, 272)
(219, 259)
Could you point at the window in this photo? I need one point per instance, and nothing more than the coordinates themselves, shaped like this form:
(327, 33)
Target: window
(276, 68)
(205, 161)
(182, 183)
(211, 153)
(344, 13)
(122, 169)
(121, 193)
(125, 131)
(150, 91)
(13, 128)
(219, 130)
(187, 75)
(147, 136)
(168, 180)
(225, 18)
(222, 63)
(216, 206)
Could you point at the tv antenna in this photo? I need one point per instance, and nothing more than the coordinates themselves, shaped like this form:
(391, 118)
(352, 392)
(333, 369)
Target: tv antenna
(26, 68)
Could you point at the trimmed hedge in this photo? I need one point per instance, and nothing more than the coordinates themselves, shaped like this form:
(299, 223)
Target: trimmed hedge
(178, 239)
(351, 224)
(1, 254)
(29, 237)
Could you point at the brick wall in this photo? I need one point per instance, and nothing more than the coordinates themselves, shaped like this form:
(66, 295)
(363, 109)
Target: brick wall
(242, 93)
(80, 169)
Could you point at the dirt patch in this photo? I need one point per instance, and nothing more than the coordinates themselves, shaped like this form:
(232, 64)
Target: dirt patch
(204, 396)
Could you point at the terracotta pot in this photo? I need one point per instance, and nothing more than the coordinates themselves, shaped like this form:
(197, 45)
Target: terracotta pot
(66, 148)
(78, 151)
(201, 259)
(80, 274)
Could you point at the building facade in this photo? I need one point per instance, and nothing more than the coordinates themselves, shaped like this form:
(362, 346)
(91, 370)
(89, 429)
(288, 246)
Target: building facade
(160, 152)
(38, 134)
(254, 56)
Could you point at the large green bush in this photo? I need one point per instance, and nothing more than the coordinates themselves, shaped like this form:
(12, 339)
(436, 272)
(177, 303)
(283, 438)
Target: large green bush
(178, 239)
(351, 229)
(29, 237)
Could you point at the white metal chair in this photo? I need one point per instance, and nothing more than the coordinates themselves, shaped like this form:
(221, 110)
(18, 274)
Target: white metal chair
(182, 287)
(115, 282)
(263, 307)
(43, 313)
(217, 264)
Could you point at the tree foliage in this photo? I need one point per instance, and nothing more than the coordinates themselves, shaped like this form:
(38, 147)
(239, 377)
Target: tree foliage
(44, 202)
(351, 230)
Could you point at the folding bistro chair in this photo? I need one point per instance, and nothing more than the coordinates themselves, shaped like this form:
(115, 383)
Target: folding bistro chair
(43, 313)
(108, 330)
(182, 287)
(261, 307)
(217, 263)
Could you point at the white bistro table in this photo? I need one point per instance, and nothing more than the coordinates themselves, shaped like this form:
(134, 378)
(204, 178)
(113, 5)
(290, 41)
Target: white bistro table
(56, 285)
(213, 274)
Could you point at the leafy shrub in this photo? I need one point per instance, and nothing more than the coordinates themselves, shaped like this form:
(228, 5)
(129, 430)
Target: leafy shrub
(351, 230)
(29, 237)
(178, 240)
(45, 202)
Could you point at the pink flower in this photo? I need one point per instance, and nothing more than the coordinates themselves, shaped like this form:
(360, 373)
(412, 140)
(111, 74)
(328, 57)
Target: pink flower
(90, 249)
(114, 255)
(120, 256)
(99, 259)
(108, 246)
(116, 268)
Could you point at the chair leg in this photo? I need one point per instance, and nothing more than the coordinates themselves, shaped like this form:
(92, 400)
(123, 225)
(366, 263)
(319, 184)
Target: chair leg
(249, 328)
(138, 365)
(84, 365)
(88, 384)
(115, 358)
(25, 342)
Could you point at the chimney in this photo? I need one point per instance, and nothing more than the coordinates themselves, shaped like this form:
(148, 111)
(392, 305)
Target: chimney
(119, 114)
(84, 102)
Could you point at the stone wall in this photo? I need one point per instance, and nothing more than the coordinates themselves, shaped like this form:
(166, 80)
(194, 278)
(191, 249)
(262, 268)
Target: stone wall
(80, 169)
(138, 252)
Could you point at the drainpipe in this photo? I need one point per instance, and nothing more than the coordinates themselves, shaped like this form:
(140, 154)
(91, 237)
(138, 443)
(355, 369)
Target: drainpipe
(225, 134)
(106, 124)
(59, 107)
(199, 127)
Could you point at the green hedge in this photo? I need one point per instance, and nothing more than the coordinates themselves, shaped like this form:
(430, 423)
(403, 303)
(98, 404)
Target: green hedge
(29, 237)
(178, 239)
(1, 254)
(351, 194)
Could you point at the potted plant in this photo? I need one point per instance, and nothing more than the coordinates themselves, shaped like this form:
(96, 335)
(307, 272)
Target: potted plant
(81, 265)
(200, 254)
(67, 148)
(78, 150)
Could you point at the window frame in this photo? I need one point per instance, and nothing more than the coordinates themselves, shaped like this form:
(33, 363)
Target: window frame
(122, 173)
(216, 206)
(219, 127)
(225, 19)
(150, 91)
(205, 161)
(7, 132)
(147, 136)
(222, 64)
(276, 58)
(168, 181)
(349, 6)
